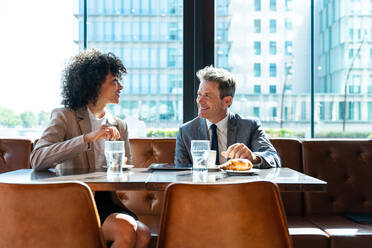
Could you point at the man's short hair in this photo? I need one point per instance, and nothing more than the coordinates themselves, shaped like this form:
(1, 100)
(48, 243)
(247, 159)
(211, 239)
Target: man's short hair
(226, 81)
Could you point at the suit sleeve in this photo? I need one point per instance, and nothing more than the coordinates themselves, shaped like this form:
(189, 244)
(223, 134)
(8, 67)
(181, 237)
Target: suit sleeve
(52, 148)
(262, 147)
(181, 153)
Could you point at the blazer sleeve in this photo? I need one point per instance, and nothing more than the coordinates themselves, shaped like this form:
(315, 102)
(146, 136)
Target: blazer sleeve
(262, 147)
(52, 148)
(181, 152)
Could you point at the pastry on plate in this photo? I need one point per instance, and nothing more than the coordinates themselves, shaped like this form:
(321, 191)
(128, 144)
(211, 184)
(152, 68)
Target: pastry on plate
(237, 164)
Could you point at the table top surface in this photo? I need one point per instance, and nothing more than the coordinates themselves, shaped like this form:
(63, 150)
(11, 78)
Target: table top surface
(142, 178)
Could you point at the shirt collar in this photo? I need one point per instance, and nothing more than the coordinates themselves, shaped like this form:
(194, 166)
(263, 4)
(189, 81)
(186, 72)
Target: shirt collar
(221, 125)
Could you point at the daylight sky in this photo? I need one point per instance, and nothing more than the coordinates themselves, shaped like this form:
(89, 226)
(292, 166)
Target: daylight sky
(35, 41)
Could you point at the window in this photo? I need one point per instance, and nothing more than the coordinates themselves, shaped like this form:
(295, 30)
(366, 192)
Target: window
(273, 5)
(272, 48)
(272, 89)
(272, 69)
(257, 47)
(351, 34)
(354, 86)
(322, 111)
(256, 112)
(369, 87)
(272, 26)
(257, 69)
(288, 47)
(257, 89)
(257, 26)
(288, 5)
(288, 24)
(274, 113)
(369, 111)
(257, 5)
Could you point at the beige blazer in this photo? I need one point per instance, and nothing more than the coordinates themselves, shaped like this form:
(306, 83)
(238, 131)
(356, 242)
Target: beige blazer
(62, 142)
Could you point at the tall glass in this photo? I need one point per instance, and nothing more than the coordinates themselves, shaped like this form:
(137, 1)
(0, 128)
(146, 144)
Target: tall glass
(200, 153)
(114, 152)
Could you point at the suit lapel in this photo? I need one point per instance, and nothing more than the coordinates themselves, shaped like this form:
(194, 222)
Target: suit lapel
(232, 129)
(85, 126)
(202, 133)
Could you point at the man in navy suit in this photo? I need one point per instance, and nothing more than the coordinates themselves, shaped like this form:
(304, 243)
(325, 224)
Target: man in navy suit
(231, 135)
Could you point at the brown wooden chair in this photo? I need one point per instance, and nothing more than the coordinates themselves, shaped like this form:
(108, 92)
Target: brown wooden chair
(56, 215)
(226, 215)
(14, 154)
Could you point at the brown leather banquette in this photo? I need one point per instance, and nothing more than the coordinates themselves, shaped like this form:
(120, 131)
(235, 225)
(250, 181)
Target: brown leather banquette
(314, 219)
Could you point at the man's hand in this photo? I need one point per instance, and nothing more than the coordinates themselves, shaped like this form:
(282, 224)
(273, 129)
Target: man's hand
(239, 150)
(105, 132)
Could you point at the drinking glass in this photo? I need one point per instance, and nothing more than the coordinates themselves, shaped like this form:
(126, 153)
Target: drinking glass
(200, 153)
(114, 152)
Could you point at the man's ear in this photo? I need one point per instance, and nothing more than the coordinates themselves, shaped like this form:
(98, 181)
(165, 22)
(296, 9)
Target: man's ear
(227, 101)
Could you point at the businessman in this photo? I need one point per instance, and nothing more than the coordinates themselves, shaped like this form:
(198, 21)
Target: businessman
(231, 135)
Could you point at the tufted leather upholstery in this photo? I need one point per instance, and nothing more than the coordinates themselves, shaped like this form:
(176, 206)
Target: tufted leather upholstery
(54, 215)
(220, 216)
(313, 218)
(14, 154)
(347, 167)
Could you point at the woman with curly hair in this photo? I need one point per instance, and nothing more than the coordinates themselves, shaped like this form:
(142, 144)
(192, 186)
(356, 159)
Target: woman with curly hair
(76, 133)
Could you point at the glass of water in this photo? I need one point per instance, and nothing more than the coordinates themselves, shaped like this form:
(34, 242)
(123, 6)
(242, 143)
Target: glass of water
(115, 153)
(200, 153)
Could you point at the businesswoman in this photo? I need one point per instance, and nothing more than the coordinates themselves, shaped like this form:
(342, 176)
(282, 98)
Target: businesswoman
(75, 137)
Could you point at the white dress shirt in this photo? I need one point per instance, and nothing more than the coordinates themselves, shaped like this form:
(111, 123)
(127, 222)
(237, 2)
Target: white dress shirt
(221, 135)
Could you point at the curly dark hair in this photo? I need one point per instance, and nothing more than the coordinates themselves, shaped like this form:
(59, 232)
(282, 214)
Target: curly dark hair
(84, 75)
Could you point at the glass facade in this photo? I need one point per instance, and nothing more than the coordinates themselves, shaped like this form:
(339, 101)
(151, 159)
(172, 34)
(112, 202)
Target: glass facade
(265, 43)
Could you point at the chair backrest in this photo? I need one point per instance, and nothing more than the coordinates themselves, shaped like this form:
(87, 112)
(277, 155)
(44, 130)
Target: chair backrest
(56, 215)
(14, 154)
(225, 215)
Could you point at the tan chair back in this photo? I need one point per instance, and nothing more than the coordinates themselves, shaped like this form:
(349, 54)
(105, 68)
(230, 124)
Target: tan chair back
(56, 215)
(227, 215)
(14, 154)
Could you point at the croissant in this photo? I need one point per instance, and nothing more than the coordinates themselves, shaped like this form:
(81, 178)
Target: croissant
(237, 164)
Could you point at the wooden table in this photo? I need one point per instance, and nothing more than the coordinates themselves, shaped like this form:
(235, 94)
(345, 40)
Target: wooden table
(287, 179)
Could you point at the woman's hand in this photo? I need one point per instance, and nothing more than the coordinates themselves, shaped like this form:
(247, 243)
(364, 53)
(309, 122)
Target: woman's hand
(105, 132)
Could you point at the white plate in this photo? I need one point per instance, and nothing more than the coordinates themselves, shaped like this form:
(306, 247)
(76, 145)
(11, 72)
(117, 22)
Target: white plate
(124, 167)
(241, 173)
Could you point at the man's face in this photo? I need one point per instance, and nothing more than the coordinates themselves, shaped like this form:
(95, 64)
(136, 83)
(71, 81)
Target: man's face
(210, 105)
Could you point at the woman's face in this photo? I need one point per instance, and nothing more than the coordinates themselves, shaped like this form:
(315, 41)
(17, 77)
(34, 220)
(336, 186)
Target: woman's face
(110, 90)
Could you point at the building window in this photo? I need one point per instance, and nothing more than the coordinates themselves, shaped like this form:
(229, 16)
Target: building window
(257, 69)
(330, 111)
(273, 5)
(257, 26)
(272, 26)
(257, 89)
(370, 111)
(369, 87)
(354, 86)
(272, 89)
(256, 112)
(288, 47)
(274, 112)
(257, 5)
(322, 111)
(288, 25)
(351, 53)
(272, 69)
(341, 110)
(257, 47)
(303, 111)
(351, 34)
(272, 48)
(288, 5)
